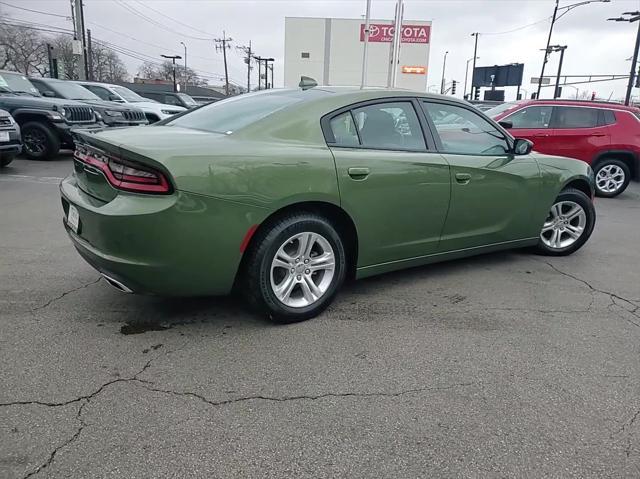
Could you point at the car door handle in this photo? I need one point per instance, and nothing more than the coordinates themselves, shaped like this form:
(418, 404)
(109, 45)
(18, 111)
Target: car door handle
(358, 173)
(598, 134)
(463, 178)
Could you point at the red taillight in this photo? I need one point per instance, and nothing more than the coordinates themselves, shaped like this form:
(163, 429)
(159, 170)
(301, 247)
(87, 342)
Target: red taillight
(124, 174)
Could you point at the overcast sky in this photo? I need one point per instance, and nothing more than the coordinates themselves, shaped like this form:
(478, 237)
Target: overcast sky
(595, 46)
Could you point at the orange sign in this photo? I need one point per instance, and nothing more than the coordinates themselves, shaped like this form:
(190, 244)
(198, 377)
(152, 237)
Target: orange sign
(414, 70)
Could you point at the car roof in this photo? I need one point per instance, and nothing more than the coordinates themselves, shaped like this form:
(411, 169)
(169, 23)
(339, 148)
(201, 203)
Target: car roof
(86, 82)
(586, 103)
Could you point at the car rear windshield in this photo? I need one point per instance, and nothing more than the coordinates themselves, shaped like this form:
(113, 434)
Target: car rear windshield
(231, 114)
(71, 91)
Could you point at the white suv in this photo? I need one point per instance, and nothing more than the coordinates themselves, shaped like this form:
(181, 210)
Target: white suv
(153, 110)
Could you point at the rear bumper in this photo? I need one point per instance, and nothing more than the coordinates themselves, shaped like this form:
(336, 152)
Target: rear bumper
(171, 245)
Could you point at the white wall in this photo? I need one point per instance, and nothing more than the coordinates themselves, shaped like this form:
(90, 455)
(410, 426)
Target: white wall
(341, 64)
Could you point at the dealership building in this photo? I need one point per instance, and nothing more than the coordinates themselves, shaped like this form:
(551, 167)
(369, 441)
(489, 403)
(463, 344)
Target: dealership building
(330, 51)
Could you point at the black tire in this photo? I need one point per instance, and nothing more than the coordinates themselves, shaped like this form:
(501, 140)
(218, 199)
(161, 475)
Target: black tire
(40, 141)
(6, 159)
(256, 284)
(619, 164)
(578, 197)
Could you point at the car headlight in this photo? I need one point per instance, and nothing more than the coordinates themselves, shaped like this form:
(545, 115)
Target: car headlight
(115, 113)
(170, 112)
(98, 116)
(63, 112)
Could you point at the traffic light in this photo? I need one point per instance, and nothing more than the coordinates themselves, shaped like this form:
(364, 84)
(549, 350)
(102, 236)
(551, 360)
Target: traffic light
(476, 94)
(453, 87)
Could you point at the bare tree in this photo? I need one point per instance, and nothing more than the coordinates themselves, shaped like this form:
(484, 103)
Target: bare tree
(23, 50)
(164, 71)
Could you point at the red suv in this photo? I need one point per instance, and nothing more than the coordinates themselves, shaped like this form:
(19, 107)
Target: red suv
(605, 135)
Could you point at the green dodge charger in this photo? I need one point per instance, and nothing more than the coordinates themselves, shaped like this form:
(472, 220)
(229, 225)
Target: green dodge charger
(283, 194)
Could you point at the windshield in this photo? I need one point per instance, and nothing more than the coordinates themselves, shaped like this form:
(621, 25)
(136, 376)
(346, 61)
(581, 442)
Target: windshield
(496, 110)
(18, 83)
(71, 91)
(128, 94)
(231, 114)
(187, 99)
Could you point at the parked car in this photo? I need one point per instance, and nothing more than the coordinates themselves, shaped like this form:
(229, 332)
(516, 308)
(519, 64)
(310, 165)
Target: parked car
(109, 113)
(204, 100)
(10, 141)
(153, 110)
(170, 98)
(46, 124)
(604, 135)
(284, 193)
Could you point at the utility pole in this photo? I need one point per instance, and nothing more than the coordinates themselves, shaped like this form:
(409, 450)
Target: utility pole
(466, 73)
(223, 43)
(444, 66)
(89, 57)
(259, 60)
(631, 17)
(186, 78)
(173, 59)
(473, 70)
(247, 60)
(555, 17)
(79, 37)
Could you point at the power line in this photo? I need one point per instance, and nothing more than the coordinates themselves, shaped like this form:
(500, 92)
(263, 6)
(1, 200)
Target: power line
(34, 11)
(139, 14)
(518, 28)
(170, 18)
(118, 48)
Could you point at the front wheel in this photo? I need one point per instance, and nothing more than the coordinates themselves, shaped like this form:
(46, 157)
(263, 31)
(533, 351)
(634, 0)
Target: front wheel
(612, 178)
(295, 268)
(569, 224)
(40, 142)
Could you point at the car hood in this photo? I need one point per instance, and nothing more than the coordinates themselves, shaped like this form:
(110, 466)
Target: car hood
(107, 105)
(156, 106)
(38, 102)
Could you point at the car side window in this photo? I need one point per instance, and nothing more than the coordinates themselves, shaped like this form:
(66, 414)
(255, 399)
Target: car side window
(465, 132)
(171, 100)
(101, 92)
(390, 126)
(575, 117)
(534, 117)
(609, 117)
(344, 130)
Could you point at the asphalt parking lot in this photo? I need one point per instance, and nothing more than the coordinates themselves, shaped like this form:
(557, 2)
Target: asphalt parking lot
(506, 365)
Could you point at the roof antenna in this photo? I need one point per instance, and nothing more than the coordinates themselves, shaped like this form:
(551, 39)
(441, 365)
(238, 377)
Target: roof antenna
(307, 82)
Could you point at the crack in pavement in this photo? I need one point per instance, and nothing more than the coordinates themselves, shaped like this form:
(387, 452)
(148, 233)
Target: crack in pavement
(69, 441)
(302, 397)
(73, 290)
(86, 399)
(612, 296)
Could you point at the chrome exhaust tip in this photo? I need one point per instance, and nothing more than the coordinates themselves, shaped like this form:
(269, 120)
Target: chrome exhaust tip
(116, 284)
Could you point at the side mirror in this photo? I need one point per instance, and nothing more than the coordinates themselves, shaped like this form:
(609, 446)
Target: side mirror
(49, 94)
(522, 146)
(507, 125)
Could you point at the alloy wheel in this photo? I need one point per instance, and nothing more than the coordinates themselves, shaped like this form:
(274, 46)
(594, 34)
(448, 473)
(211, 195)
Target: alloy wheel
(34, 141)
(564, 225)
(302, 269)
(610, 178)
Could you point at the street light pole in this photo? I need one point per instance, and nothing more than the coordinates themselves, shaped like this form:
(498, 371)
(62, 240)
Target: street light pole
(365, 52)
(186, 79)
(475, 57)
(173, 59)
(554, 18)
(561, 49)
(466, 74)
(631, 17)
(444, 66)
